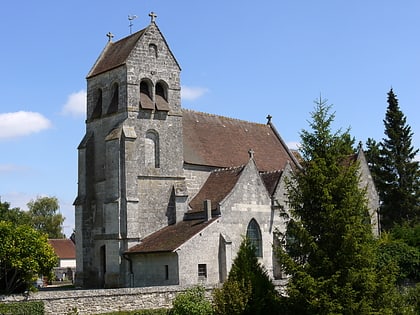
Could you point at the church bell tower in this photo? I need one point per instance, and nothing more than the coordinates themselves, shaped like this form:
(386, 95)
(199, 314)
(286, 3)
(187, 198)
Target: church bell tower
(131, 156)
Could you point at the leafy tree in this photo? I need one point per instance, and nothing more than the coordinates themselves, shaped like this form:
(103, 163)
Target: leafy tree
(248, 289)
(24, 253)
(329, 250)
(192, 302)
(395, 172)
(399, 253)
(14, 215)
(44, 216)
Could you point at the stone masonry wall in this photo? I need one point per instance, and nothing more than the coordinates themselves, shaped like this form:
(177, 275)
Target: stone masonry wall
(102, 301)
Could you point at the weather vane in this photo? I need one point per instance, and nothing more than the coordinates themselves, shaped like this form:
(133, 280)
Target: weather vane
(130, 19)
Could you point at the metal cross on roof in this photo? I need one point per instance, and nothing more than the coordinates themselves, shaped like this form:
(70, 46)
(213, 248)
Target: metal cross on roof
(251, 153)
(153, 16)
(110, 36)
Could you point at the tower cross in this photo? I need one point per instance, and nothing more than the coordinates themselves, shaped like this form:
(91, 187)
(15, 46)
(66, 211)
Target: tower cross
(153, 16)
(110, 36)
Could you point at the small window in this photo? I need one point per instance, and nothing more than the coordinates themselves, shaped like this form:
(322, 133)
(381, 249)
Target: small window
(166, 272)
(153, 50)
(253, 233)
(152, 149)
(202, 271)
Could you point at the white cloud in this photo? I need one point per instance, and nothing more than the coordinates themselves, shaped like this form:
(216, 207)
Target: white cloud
(75, 105)
(192, 93)
(293, 145)
(18, 124)
(10, 168)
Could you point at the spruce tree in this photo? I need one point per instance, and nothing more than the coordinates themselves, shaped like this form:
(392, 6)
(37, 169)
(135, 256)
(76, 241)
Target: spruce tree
(329, 249)
(395, 172)
(248, 289)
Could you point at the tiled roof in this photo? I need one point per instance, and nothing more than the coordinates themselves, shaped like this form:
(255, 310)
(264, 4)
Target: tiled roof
(216, 188)
(222, 142)
(115, 54)
(170, 237)
(271, 180)
(63, 248)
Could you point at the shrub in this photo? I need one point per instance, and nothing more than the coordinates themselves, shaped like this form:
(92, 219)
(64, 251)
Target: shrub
(192, 302)
(23, 308)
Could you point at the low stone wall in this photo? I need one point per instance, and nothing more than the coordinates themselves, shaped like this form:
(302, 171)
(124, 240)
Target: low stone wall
(59, 302)
(64, 302)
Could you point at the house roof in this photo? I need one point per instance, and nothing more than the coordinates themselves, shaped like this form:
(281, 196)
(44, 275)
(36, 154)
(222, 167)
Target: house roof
(170, 237)
(63, 248)
(223, 142)
(216, 188)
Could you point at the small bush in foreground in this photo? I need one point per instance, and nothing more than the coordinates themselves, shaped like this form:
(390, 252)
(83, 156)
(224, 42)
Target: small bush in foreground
(192, 302)
(22, 308)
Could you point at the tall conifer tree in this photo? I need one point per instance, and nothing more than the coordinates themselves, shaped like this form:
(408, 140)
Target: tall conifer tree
(395, 172)
(329, 248)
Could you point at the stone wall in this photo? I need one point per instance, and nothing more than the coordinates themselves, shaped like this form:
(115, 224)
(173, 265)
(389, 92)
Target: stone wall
(101, 301)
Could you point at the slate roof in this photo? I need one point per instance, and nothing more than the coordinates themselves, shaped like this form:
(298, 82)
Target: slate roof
(63, 248)
(115, 54)
(170, 237)
(271, 180)
(218, 185)
(222, 142)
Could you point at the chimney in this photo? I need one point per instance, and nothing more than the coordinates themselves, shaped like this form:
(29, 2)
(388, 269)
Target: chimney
(207, 210)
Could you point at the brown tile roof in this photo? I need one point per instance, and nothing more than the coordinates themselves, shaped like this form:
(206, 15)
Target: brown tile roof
(63, 248)
(115, 54)
(216, 188)
(170, 237)
(219, 141)
(271, 180)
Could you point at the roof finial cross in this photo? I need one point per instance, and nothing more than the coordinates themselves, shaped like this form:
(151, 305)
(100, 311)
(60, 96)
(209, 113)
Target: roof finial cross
(251, 153)
(269, 118)
(110, 36)
(153, 16)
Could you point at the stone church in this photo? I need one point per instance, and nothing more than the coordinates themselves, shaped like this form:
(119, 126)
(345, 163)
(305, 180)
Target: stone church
(165, 194)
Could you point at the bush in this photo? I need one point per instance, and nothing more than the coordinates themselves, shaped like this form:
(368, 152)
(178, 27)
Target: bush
(22, 308)
(192, 302)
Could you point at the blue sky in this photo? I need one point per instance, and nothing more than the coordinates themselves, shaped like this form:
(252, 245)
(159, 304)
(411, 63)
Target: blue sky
(242, 59)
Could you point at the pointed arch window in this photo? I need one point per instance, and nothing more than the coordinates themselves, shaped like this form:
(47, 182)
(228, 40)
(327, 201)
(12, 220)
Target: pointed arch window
(161, 97)
(152, 149)
(145, 96)
(253, 233)
(113, 106)
(97, 110)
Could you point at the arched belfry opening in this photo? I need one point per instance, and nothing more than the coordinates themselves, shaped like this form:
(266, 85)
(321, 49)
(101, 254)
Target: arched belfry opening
(146, 101)
(113, 105)
(97, 110)
(161, 96)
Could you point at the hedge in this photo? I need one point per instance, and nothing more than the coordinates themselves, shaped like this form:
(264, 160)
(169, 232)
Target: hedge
(22, 308)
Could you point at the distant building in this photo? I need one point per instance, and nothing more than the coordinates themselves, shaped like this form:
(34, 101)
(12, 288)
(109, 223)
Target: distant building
(66, 253)
(166, 195)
